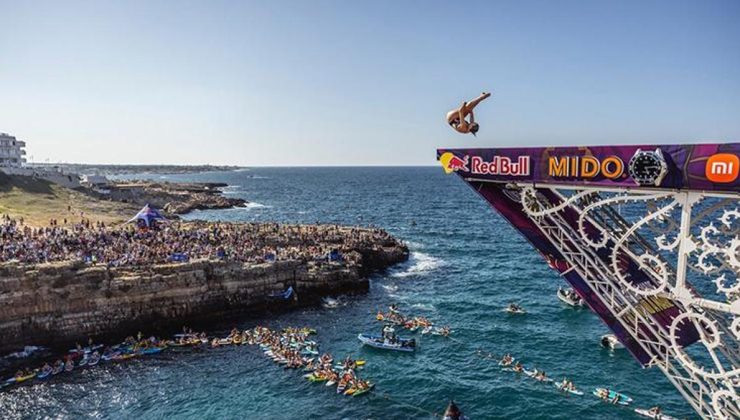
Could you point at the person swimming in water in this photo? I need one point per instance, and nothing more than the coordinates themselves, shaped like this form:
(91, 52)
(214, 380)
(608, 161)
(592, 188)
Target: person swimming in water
(457, 117)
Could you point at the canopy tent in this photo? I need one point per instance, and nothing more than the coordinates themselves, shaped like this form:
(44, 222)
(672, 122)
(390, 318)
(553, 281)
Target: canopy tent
(148, 214)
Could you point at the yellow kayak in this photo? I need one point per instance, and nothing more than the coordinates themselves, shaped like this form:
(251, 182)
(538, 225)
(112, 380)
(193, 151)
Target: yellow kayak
(19, 379)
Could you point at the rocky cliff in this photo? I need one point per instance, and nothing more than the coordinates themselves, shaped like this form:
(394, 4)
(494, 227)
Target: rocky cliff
(174, 198)
(57, 304)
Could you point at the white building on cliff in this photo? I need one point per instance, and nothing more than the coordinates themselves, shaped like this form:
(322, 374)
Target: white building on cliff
(12, 151)
(13, 162)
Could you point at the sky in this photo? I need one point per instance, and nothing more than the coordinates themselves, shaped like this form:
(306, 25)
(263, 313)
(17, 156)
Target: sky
(261, 83)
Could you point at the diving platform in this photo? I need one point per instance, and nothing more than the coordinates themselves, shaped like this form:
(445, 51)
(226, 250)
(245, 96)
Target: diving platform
(649, 238)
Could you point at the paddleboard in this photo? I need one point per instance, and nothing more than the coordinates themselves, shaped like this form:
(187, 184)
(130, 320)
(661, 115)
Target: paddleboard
(559, 385)
(623, 399)
(648, 414)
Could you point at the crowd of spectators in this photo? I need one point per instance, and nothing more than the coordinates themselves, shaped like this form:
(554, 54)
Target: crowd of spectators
(132, 245)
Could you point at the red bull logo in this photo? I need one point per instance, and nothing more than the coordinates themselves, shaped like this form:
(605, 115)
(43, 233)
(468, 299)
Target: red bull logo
(498, 165)
(452, 163)
(501, 165)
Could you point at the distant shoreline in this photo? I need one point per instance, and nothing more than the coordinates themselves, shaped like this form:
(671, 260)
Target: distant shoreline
(129, 169)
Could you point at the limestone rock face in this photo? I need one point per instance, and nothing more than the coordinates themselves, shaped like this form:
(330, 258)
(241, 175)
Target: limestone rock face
(57, 304)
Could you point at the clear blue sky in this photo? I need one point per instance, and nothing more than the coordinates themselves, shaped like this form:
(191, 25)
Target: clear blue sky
(348, 83)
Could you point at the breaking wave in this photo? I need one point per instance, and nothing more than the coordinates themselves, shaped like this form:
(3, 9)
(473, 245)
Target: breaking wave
(419, 263)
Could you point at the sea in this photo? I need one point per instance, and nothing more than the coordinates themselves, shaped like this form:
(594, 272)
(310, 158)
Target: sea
(466, 264)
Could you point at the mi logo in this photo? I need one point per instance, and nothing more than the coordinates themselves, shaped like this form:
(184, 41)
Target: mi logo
(723, 168)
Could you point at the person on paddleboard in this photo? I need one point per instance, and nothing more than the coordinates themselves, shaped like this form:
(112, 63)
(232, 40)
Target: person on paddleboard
(462, 119)
(655, 411)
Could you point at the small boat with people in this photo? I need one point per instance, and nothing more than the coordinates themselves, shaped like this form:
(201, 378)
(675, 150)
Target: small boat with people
(610, 341)
(612, 397)
(388, 340)
(401, 344)
(570, 297)
(514, 308)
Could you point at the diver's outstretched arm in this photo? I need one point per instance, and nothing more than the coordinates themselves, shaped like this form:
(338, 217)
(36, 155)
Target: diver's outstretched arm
(472, 104)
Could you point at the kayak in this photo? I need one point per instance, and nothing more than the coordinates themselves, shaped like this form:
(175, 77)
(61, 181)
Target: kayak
(44, 375)
(83, 362)
(314, 378)
(152, 350)
(623, 399)
(93, 361)
(559, 385)
(571, 300)
(403, 344)
(363, 390)
(648, 414)
(19, 379)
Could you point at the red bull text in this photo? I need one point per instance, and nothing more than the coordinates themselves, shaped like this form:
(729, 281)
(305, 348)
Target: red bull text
(500, 165)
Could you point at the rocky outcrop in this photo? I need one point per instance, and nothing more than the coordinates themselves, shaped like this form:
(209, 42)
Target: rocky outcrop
(174, 198)
(202, 202)
(57, 304)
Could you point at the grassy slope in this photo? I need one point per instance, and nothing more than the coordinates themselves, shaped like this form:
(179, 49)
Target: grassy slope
(38, 201)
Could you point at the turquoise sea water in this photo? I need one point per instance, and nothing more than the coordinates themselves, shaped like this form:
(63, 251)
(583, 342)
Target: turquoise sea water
(466, 264)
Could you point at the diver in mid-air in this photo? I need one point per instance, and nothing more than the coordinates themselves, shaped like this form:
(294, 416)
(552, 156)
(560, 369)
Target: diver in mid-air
(457, 117)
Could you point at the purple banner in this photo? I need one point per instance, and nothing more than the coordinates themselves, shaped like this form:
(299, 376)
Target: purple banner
(694, 167)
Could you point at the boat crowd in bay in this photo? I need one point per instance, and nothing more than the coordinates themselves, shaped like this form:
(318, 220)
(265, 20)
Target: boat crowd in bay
(291, 347)
(294, 348)
(129, 245)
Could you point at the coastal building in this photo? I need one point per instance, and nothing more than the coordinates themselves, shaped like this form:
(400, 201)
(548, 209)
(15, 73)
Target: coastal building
(95, 181)
(98, 183)
(13, 162)
(12, 152)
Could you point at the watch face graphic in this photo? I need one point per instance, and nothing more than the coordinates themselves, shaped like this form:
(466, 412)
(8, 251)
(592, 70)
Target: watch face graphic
(648, 167)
